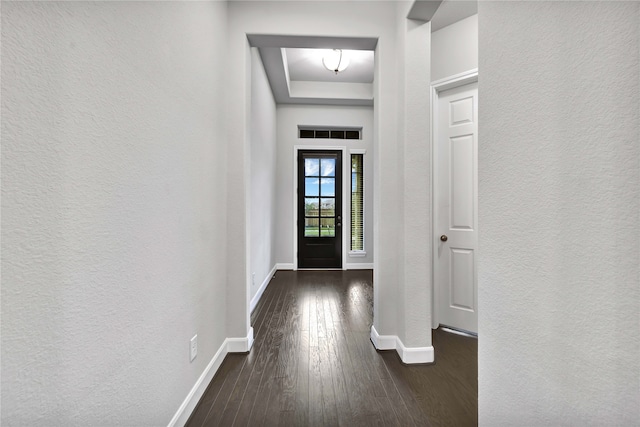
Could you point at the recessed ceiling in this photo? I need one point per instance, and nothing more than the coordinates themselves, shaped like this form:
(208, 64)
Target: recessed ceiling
(306, 65)
(294, 64)
(297, 76)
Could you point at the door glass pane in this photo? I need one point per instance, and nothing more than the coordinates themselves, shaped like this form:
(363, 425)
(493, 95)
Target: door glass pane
(311, 206)
(312, 187)
(311, 227)
(328, 167)
(328, 207)
(311, 167)
(328, 187)
(328, 227)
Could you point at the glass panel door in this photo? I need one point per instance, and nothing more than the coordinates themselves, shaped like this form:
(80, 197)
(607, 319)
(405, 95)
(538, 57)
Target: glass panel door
(319, 229)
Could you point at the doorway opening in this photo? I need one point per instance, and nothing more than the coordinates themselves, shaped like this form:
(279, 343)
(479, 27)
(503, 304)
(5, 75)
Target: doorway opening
(319, 219)
(455, 202)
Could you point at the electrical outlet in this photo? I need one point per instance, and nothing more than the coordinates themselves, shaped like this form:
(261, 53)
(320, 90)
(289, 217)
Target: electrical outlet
(193, 347)
(253, 279)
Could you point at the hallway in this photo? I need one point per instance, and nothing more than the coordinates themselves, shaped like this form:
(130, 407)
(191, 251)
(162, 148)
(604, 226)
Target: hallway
(312, 363)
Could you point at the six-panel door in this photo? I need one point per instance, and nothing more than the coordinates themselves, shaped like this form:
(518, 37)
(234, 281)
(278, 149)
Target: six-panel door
(456, 207)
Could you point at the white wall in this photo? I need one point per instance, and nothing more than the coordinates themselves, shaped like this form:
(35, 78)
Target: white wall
(559, 255)
(346, 19)
(289, 117)
(113, 208)
(415, 232)
(305, 18)
(263, 175)
(454, 49)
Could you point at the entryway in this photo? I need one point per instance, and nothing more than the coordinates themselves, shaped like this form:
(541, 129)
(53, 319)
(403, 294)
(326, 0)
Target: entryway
(319, 209)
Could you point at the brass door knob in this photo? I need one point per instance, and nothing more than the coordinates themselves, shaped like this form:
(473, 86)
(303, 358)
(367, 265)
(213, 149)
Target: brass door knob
(444, 238)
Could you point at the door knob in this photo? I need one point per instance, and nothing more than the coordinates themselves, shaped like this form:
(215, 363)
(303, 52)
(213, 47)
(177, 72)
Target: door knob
(444, 238)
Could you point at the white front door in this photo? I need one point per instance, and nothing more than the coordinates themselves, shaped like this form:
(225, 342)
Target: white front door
(456, 207)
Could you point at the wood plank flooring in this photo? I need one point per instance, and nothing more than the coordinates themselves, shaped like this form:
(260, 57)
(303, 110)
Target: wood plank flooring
(313, 364)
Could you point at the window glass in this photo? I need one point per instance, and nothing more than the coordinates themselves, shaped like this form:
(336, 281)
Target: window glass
(311, 167)
(357, 202)
(328, 187)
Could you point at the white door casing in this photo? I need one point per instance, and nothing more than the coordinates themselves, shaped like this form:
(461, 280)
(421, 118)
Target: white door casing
(456, 206)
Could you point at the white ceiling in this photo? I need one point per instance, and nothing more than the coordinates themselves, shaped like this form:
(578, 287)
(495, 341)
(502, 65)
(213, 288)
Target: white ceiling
(306, 65)
(451, 11)
(297, 76)
(296, 73)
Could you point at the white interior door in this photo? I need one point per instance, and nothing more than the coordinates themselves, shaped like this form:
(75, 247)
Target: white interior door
(456, 207)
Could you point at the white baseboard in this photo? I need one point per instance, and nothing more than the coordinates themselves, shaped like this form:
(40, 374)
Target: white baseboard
(409, 355)
(230, 345)
(359, 266)
(285, 266)
(240, 345)
(348, 266)
(184, 411)
(263, 286)
(383, 342)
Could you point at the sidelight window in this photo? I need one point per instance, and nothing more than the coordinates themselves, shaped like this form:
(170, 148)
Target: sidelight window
(357, 203)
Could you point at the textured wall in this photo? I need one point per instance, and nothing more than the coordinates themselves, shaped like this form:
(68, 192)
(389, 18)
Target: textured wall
(263, 174)
(113, 219)
(416, 187)
(384, 20)
(343, 18)
(559, 151)
(414, 280)
(454, 48)
(289, 117)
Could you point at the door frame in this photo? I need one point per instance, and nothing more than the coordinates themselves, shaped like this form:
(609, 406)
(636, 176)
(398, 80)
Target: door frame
(347, 218)
(437, 87)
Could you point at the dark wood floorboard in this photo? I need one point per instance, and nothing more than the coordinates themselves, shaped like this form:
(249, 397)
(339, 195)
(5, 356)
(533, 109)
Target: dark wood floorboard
(313, 364)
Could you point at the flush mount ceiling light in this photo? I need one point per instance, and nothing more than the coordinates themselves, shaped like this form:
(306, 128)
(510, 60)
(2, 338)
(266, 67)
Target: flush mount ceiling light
(335, 60)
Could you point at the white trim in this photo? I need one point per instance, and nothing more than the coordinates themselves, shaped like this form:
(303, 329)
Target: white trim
(438, 86)
(263, 286)
(357, 254)
(459, 332)
(285, 266)
(240, 345)
(345, 173)
(408, 355)
(230, 345)
(189, 404)
(456, 80)
(382, 342)
(295, 207)
(360, 266)
(411, 355)
(363, 152)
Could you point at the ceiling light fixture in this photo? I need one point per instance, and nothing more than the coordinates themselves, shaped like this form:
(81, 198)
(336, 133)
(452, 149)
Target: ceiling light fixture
(335, 60)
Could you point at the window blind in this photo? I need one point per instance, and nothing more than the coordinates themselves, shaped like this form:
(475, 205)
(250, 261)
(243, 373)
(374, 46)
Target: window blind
(357, 203)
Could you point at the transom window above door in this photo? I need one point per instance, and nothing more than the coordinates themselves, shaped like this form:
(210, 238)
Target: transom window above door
(329, 133)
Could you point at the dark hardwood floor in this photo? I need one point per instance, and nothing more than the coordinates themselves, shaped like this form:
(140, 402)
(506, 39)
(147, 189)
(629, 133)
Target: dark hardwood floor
(313, 364)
